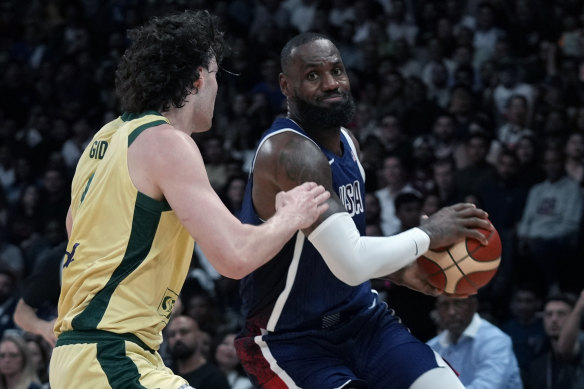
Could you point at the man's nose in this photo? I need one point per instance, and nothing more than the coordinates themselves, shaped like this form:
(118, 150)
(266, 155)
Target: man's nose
(330, 82)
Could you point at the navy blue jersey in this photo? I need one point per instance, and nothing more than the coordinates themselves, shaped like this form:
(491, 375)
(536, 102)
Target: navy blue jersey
(296, 290)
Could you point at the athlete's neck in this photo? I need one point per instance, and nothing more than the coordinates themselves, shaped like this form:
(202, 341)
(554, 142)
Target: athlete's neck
(329, 138)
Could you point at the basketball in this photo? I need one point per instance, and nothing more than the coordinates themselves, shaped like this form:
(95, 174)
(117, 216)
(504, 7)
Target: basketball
(464, 267)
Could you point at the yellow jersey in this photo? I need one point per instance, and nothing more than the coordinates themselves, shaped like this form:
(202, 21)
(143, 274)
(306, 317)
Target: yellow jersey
(128, 254)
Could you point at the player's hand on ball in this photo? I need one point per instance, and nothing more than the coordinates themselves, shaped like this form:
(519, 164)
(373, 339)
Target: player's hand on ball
(413, 277)
(450, 224)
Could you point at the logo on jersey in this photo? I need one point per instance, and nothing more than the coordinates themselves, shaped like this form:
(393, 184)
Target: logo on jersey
(69, 256)
(350, 196)
(167, 303)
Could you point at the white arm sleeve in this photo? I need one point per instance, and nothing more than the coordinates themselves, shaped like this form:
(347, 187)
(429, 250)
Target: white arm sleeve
(354, 259)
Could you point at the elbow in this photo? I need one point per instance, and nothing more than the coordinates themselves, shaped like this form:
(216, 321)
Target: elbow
(349, 276)
(235, 265)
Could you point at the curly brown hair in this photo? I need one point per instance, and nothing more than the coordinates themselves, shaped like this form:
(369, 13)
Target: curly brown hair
(159, 68)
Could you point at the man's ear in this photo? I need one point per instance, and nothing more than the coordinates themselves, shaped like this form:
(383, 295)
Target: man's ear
(284, 85)
(197, 84)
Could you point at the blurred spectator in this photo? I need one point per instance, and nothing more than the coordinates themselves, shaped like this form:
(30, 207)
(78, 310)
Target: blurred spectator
(396, 181)
(390, 99)
(438, 87)
(406, 63)
(530, 23)
(268, 85)
(561, 367)
(74, 146)
(232, 194)
(228, 362)
(394, 139)
(372, 211)
(8, 300)
(443, 137)
(444, 171)
(202, 307)
(17, 369)
(422, 160)
(574, 150)
(431, 203)
(420, 112)
(399, 26)
(462, 106)
(502, 195)
(477, 169)
(217, 160)
(11, 258)
(486, 32)
(550, 222)
(528, 153)
(268, 12)
(509, 85)
(478, 350)
(301, 13)
(40, 355)
(23, 178)
(54, 195)
(515, 125)
(183, 336)
(525, 325)
(7, 169)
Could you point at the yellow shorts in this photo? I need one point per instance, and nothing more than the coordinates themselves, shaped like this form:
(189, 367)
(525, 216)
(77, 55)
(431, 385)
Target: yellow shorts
(100, 360)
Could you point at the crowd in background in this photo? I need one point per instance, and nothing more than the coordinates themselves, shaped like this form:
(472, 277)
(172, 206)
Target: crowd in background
(457, 100)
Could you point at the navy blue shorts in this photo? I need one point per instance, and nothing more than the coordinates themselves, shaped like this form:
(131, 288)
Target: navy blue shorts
(369, 350)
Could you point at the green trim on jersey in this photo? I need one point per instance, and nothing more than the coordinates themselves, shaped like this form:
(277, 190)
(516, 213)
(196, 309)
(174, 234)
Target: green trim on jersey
(127, 116)
(144, 225)
(120, 370)
(132, 136)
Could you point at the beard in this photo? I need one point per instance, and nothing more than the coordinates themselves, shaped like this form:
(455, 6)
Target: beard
(181, 351)
(317, 117)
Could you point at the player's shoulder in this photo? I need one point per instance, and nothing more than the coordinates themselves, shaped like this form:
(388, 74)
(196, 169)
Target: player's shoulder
(290, 143)
(163, 137)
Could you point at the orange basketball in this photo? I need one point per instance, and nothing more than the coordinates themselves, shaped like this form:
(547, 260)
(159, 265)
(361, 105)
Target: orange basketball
(464, 267)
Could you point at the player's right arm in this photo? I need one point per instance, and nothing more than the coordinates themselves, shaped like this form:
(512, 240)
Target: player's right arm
(166, 163)
(288, 159)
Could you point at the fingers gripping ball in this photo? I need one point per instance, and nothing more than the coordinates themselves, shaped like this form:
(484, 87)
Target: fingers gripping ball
(464, 267)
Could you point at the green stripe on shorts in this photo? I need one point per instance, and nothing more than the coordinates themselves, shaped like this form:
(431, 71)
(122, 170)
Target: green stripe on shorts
(120, 370)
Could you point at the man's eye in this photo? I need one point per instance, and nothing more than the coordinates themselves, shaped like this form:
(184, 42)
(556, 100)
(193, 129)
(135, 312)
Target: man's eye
(337, 72)
(312, 76)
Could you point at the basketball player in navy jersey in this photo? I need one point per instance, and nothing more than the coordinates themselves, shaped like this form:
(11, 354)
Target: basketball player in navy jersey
(312, 320)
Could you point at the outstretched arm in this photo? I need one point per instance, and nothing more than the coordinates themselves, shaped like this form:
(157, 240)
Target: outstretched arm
(288, 159)
(166, 163)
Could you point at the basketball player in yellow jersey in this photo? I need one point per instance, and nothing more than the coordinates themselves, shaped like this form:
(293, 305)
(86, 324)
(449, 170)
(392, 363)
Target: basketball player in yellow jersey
(140, 196)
